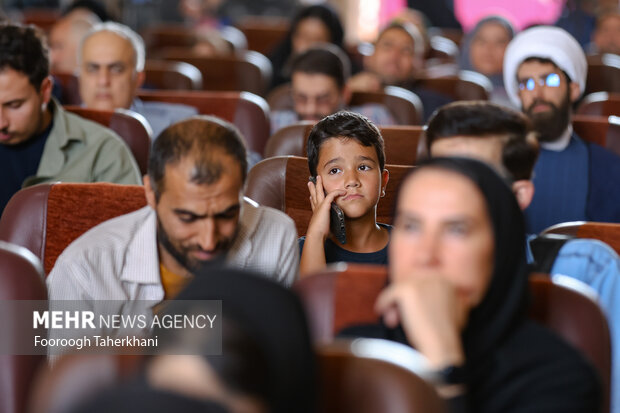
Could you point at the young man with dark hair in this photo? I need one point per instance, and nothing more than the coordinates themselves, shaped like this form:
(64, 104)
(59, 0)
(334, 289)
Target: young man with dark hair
(545, 74)
(196, 216)
(318, 89)
(500, 136)
(347, 164)
(39, 141)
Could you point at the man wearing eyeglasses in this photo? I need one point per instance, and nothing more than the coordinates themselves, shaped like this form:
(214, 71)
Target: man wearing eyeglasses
(545, 73)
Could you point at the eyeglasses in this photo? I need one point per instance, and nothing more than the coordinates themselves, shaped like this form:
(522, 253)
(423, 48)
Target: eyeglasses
(551, 80)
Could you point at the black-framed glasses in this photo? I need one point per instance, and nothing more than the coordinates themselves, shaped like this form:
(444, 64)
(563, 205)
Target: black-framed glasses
(551, 80)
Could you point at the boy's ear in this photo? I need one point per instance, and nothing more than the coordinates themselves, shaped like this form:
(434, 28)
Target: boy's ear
(385, 177)
(524, 192)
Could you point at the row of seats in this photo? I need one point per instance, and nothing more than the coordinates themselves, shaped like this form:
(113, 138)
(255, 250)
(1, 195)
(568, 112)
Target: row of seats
(340, 296)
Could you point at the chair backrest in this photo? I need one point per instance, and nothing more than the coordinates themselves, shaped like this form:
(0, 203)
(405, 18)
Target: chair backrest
(467, 85)
(607, 232)
(569, 311)
(604, 74)
(264, 33)
(132, 127)
(70, 88)
(248, 112)
(21, 278)
(405, 106)
(247, 71)
(280, 183)
(46, 218)
(343, 295)
(160, 36)
(401, 142)
(170, 75)
(600, 104)
(604, 131)
(368, 367)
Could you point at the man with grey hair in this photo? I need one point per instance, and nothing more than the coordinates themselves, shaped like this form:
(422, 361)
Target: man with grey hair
(196, 216)
(545, 73)
(111, 69)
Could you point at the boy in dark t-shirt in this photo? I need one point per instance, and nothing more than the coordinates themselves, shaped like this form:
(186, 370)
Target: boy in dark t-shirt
(347, 166)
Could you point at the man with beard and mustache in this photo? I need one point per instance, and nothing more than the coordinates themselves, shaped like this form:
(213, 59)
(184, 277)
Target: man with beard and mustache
(196, 217)
(318, 89)
(545, 73)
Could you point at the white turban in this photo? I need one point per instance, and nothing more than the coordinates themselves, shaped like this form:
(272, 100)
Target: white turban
(546, 42)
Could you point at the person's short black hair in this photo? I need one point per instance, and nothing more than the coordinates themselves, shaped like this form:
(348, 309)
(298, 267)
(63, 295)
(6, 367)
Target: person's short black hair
(197, 138)
(24, 49)
(483, 119)
(346, 125)
(325, 59)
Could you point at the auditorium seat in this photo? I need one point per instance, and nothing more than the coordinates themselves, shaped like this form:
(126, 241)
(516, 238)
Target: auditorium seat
(171, 75)
(600, 104)
(247, 71)
(401, 142)
(281, 183)
(467, 85)
(46, 218)
(604, 131)
(603, 74)
(264, 33)
(388, 375)
(132, 127)
(247, 111)
(343, 295)
(405, 106)
(21, 278)
(607, 232)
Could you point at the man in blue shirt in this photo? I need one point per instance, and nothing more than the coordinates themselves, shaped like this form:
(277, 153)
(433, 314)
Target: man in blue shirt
(545, 73)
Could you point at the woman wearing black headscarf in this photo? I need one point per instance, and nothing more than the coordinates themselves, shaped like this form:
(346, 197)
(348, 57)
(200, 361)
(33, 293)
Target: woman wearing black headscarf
(458, 294)
(311, 25)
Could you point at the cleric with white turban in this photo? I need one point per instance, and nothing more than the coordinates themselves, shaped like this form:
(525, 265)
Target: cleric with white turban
(544, 42)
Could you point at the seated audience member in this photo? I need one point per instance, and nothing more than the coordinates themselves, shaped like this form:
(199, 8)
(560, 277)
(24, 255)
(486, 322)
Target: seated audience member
(111, 60)
(318, 89)
(483, 50)
(502, 138)
(606, 35)
(458, 293)
(312, 25)
(397, 57)
(267, 361)
(39, 141)
(545, 73)
(196, 216)
(347, 160)
(64, 39)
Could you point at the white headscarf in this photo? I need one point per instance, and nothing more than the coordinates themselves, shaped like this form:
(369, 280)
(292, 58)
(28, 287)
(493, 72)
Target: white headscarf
(546, 42)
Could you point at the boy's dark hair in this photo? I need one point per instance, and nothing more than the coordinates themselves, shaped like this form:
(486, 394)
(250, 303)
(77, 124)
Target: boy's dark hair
(196, 138)
(347, 125)
(482, 119)
(24, 49)
(325, 59)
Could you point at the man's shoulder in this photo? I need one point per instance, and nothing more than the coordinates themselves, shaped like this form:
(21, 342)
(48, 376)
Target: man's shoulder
(264, 216)
(114, 233)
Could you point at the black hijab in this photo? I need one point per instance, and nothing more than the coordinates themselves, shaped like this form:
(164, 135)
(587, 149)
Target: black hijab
(273, 318)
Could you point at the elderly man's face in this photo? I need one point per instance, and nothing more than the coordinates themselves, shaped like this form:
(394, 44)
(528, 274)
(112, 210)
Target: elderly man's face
(108, 79)
(197, 222)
